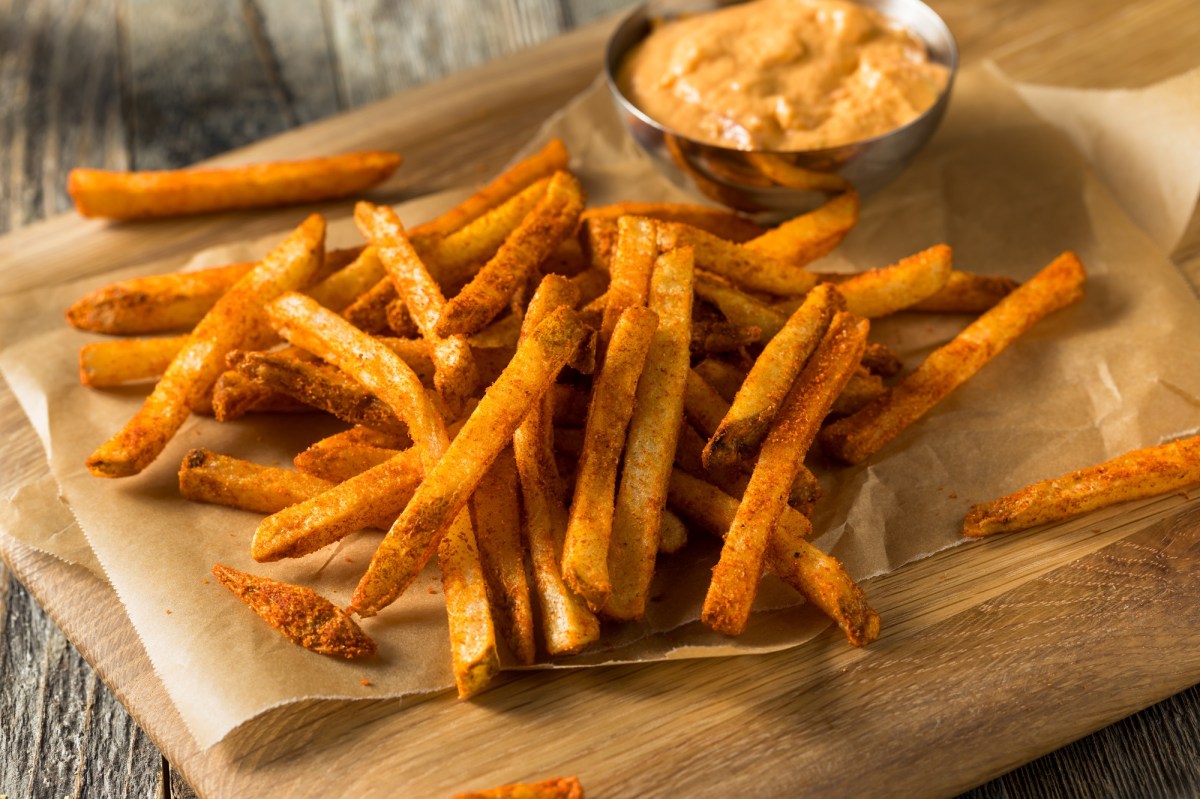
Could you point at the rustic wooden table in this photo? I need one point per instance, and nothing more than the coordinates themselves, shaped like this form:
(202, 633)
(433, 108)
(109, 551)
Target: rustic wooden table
(160, 83)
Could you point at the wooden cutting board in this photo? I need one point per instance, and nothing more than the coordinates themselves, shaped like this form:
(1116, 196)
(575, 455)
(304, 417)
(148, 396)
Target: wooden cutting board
(992, 653)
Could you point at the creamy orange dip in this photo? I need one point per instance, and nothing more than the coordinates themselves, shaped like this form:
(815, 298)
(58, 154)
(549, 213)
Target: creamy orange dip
(782, 75)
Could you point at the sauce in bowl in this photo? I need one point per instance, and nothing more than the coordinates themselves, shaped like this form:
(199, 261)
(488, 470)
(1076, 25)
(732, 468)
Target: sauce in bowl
(782, 75)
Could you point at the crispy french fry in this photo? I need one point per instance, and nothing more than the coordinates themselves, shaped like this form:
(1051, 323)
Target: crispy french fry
(863, 388)
(738, 307)
(236, 320)
(206, 476)
(601, 230)
(735, 577)
(499, 335)
(496, 513)
(585, 550)
(567, 624)
(806, 238)
(337, 291)
(820, 578)
(591, 284)
(154, 303)
(879, 292)
(146, 195)
(745, 426)
(552, 220)
(879, 359)
(368, 312)
(339, 457)
(400, 321)
(855, 438)
(650, 443)
(703, 406)
(1138, 474)
(965, 292)
(629, 272)
(455, 375)
(127, 360)
(713, 337)
(724, 377)
(779, 171)
(739, 263)
(554, 788)
(673, 535)
(235, 395)
(300, 614)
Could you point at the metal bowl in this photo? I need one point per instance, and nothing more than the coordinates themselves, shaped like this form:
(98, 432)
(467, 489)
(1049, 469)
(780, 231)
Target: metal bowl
(787, 182)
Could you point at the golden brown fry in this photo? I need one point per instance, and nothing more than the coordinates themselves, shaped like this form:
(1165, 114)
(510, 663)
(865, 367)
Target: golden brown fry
(499, 335)
(779, 171)
(368, 312)
(300, 614)
(111, 363)
(552, 220)
(650, 444)
(455, 375)
(600, 224)
(855, 438)
(146, 195)
(745, 426)
(554, 788)
(496, 512)
(965, 292)
(673, 535)
(724, 377)
(449, 483)
(1138, 474)
(235, 395)
(629, 271)
(880, 360)
(735, 577)
(738, 307)
(739, 263)
(820, 578)
(714, 337)
(154, 303)
(585, 549)
(206, 476)
(337, 291)
(567, 624)
(863, 389)
(236, 320)
(806, 238)
(879, 292)
(703, 406)
(400, 321)
(337, 459)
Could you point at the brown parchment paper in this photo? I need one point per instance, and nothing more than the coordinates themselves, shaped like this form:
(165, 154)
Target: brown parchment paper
(1117, 371)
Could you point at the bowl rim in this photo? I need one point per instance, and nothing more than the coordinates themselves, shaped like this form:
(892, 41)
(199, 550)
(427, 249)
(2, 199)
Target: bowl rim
(612, 58)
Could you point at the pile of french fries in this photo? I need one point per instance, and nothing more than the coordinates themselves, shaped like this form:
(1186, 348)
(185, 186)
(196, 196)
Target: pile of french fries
(549, 398)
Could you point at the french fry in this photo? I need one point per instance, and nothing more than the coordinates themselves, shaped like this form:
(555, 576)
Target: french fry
(585, 549)
(300, 614)
(863, 388)
(601, 229)
(567, 624)
(1138, 474)
(629, 271)
(368, 312)
(552, 220)
(711, 337)
(738, 307)
(206, 476)
(965, 292)
(724, 377)
(454, 372)
(650, 443)
(337, 291)
(745, 426)
(449, 483)
(806, 238)
(735, 577)
(779, 171)
(880, 292)
(339, 457)
(236, 320)
(496, 513)
(703, 406)
(400, 321)
(879, 359)
(739, 263)
(591, 284)
(147, 195)
(855, 438)
(820, 578)
(112, 363)
(673, 535)
(499, 335)
(554, 788)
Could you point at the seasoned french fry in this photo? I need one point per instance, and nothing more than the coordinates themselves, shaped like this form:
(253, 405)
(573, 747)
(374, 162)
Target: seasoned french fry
(554, 788)
(552, 220)
(880, 360)
(368, 312)
(736, 575)
(714, 337)
(965, 292)
(592, 284)
(629, 271)
(782, 173)
(300, 614)
(236, 320)
(1138, 474)
(650, 444)
(337, 291)
(855, 438)
(235, 395)
(400, 321)
(820, 578)
(206, 476)
(455, 375)
(739, 263)
(600, 224)
(127, 360)
(879, 292)
(146, 195)
(585, 550)
(743, 429)
(496, 513)
(738, 307)
(673, 535)
(567, 624)
(863, 388)
(703, 406)
(338, 458)
(724, 377)
(806, 238)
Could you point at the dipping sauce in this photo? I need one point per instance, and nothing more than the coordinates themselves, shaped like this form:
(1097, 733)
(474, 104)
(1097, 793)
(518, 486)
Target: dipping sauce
(782, 75)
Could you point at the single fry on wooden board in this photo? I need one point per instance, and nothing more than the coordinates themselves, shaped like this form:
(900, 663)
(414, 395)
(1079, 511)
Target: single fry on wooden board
(585, 551)
(855, 438)
(146, 195)
(235, 321)
(300, 614)
(650, 443)
(1139, 474)
(735, 577)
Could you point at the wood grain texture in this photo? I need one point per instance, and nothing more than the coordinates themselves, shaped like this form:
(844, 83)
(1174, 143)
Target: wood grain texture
(86, 82)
